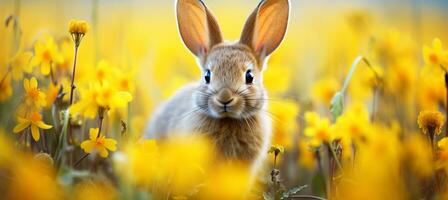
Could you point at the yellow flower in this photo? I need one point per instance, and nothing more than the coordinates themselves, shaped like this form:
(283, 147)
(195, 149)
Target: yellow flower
(435, 55)
(100, 96)
(33, 96)
(306, 157)
(233, 181)
(21, 63)
(33, 120)
(108, 97)
(141, 162)
(318, 129)
(45, 53)
(430, 122)
(103, 71)
(78, 27)
(99, 143)
(93, 190)
(5, 87)
(276, 149)
(443, 148)
(324, 89)
(353, 124)
(285, 123)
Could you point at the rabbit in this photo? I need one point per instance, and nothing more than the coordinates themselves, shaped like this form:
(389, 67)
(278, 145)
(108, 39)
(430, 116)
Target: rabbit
(228, 103)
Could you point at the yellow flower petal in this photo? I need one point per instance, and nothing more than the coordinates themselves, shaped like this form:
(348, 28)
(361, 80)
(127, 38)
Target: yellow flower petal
(33, 83)
(26, 84)
(22, 125)
(88, 146)
(42, 125)
(437, 44)
(35, 133)
(110, 144)
(45, 68)
(35, 61)
(93, 133)
(121, 99)
(103, 152)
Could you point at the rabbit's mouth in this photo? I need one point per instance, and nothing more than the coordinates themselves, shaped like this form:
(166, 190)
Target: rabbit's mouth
(230, 108)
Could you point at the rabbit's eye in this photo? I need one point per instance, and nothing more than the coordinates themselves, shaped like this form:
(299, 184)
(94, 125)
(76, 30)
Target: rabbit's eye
(249, 77)
(207, 76)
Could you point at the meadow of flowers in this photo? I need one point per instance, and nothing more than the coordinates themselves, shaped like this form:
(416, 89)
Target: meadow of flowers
(358, 101)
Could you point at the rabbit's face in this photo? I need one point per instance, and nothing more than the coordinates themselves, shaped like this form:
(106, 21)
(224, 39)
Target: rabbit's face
(232, 83)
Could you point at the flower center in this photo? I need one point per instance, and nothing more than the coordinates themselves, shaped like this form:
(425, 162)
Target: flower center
(34, 93)
(35, 117)
(433, 58)
(99, 142)
(321, 134)
(46, 55)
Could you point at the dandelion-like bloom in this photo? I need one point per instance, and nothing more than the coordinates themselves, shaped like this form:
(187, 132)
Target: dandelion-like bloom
(431, 122)
(33, 120)
(78, 28)
(33, 96)
(435, 55)
(99, 143)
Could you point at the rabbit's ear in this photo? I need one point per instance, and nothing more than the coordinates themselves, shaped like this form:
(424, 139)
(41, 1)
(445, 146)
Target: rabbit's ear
(197, 26)
(266, 27)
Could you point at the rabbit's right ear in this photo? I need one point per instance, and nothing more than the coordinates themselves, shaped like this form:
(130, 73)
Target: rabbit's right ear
(266, 27)
(197, 26)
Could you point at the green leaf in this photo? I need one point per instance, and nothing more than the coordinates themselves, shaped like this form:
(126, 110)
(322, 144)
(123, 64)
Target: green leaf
(337, 105)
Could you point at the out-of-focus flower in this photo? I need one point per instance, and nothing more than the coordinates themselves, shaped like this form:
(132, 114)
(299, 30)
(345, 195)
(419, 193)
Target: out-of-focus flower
(435, 55)
(33, 180)
(232, 181)
(93, 190)
(324, 89)
(33, 120)
(353, 124)
(66, 62)
(141, 163)
(442, 154)
(98, 143)
(45, 54)
(21, 63)
(5, 87)
(306, 156)
(317, 129)
(416, 151)
(285, 122)
(276, 149)
(108, 97)
(103, 71)
(430, 122)
(33, 96)
(100, 96)
(431, 88)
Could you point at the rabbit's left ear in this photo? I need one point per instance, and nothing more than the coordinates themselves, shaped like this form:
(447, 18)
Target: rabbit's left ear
(266, 27)
(197, 26)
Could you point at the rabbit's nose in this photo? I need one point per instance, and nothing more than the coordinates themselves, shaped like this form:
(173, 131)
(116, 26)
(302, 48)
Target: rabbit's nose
(225, 96)
(225, 102)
